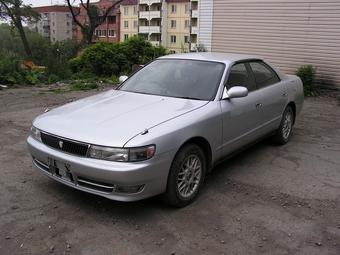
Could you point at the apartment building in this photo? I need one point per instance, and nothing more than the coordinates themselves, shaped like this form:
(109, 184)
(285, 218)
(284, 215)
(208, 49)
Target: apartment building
(162, 22)
(109, 30)
(56, 23)
(128, 19)
(170, 23)
(194, 18)
(178, 24)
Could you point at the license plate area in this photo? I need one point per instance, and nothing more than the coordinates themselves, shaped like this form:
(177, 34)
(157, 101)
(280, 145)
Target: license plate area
(60, 169)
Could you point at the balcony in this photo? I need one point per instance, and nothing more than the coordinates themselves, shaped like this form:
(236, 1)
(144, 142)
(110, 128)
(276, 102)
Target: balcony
(194, 30)
(149, 2)
(150, 15)
(149, 29)
(194, 13)
(155, 43)
(46, 34)
(45, 18)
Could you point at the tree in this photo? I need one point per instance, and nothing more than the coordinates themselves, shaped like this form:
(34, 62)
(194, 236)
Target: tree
(17, 12)
(96, 16)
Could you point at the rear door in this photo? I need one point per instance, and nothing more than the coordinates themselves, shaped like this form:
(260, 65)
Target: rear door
(274, 95)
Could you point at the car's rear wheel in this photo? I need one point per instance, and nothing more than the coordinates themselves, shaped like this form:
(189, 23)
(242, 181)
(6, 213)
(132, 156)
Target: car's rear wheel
(186, 176)
(285, 129)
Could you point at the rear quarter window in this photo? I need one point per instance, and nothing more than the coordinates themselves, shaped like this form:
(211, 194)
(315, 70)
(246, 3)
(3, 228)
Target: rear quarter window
(263, 74)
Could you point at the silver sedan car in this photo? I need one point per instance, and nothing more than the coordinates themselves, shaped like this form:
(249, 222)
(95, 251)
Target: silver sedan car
(165, 127)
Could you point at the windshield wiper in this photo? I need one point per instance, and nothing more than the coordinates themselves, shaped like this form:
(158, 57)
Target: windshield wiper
(192, 98)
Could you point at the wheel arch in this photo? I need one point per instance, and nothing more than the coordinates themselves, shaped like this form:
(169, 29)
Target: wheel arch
(293, 106)
(206, 148)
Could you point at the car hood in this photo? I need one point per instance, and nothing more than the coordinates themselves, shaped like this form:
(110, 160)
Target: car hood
(114, 117)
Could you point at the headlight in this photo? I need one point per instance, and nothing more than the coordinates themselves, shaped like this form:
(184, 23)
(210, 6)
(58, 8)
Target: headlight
(120, 154)
(35, 133)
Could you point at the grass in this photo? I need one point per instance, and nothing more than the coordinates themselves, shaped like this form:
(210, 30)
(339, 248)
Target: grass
(83, 86)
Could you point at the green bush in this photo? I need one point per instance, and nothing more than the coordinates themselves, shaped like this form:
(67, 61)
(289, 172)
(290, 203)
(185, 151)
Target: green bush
(307, 75)
(52, 78)
(32, 78)
(105, 59)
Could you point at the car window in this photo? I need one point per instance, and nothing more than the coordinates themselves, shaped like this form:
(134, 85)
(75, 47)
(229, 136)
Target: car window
(177, 78)
(239, 76)
(263, 74)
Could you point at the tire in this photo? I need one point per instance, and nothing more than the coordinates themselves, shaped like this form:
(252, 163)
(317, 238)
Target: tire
(284, 131)
(186, 176)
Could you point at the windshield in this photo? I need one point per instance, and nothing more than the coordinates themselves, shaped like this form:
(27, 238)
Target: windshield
(177, 78)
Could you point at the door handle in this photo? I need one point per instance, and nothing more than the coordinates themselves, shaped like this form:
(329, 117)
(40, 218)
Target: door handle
(285, 94)
(258, 105)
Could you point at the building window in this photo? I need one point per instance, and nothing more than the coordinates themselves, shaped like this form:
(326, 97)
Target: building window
(126, 10)
(126, 24)
(187, 8)
(112, 33)
(111, 19)
(173, 8)
(172, 52)
(147, 8)
(126, 36)
(135, 24)
(67, 16)
(135, 10)
(159, 8)
(86, 21)
(53, 32)
(68, 24)
(53, 23)
(186, 39)
(173, 39)
(173, 23)
(186, 24)
(100, 33)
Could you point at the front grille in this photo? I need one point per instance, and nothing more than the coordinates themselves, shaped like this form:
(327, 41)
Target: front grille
(65, 145)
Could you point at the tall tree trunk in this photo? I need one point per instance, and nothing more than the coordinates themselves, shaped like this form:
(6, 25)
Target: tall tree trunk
(24, 40)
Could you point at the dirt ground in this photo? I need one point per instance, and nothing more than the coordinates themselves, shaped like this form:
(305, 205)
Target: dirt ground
(266, 200)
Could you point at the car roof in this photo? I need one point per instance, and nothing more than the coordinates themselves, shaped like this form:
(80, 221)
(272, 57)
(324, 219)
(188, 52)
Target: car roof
(212, 56)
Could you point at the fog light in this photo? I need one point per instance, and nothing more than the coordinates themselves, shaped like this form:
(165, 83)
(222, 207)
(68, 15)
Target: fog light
(130, 189)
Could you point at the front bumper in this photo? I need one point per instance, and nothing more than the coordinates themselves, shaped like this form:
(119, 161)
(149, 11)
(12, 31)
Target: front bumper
(100, 177)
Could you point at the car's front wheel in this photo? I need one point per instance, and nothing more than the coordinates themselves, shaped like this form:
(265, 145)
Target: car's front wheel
(285, 129)
(186, 176)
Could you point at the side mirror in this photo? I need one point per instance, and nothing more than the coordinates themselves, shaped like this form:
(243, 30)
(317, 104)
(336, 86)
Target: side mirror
(122, 79)
(235, 92)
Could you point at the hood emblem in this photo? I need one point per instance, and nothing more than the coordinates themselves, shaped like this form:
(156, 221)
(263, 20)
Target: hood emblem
(61, 144)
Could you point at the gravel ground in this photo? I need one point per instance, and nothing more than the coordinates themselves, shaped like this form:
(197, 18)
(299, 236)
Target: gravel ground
(266, 200)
